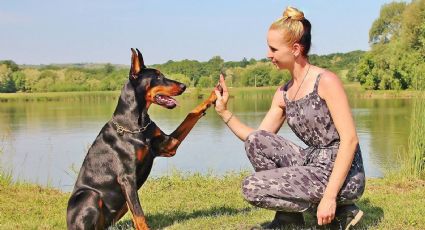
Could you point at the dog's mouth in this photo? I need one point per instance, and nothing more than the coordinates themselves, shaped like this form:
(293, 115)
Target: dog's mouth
(165, 101)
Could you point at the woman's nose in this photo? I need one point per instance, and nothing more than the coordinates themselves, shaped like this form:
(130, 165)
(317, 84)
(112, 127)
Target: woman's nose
(269, 55)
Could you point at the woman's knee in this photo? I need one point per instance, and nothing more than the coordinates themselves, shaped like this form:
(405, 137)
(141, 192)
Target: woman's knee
(250, 190)
(253, 136)
(259, 194)
(253, 139)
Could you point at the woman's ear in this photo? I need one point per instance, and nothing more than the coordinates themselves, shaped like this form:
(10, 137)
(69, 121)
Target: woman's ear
(296, 49)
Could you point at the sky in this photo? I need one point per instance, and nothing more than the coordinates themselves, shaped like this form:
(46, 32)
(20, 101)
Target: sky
(103, 31)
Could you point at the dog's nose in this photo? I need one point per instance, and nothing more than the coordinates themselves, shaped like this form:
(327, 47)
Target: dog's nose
(182, 86)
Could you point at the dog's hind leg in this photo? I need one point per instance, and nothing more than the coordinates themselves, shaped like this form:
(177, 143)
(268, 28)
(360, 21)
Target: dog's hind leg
(85, 211)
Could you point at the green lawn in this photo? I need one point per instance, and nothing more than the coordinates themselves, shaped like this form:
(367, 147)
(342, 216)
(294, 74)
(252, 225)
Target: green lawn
(208, 202)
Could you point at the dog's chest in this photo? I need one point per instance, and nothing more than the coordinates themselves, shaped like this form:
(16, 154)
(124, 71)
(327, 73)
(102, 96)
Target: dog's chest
(141, 153)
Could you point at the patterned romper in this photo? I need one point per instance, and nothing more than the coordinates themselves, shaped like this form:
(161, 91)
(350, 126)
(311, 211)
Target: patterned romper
(290, 178)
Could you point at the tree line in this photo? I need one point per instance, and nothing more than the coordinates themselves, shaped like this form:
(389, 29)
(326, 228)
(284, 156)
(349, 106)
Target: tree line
(103, 77)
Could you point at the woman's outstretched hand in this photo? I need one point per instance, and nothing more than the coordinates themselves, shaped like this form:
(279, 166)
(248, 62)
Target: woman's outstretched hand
(222, 96)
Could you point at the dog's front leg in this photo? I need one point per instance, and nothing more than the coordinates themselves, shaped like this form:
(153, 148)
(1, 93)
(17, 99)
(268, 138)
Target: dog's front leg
(189, 122)
(170, 143)
(166, 145)
(129, 188)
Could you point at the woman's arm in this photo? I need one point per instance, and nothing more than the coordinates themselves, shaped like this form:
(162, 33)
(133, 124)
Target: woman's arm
(271, 122)
(332, 91)
(238, 128)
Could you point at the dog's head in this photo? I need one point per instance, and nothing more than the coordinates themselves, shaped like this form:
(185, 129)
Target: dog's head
(152, 84)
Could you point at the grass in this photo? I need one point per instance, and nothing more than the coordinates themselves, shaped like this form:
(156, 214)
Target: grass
(413, 161)
(417, 138)
(207, 202)
(26, 206)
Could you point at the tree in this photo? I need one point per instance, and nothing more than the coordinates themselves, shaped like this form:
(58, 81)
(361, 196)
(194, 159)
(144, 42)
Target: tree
(244, 62)
(205, 82)
(46, 80)
(75, 77)
(279, 77)
(398, 48)
(31, 78)
(180, 78)
(11, 65)
(7, 85)
(413, 24)
(109, 68)
(19, 80)
(258, 75)
(214, 67)
(388, 24)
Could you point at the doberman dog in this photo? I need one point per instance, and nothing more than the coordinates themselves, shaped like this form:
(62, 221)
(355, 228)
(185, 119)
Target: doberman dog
(120, 159)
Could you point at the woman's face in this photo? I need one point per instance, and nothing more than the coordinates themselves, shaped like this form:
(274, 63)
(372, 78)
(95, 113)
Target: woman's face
(280, 54)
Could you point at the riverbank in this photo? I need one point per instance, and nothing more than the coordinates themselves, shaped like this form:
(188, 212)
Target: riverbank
(352, 89)
(208, 202)
(355, 90)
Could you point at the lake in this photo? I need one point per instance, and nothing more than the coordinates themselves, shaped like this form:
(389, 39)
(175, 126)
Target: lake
(45, 142)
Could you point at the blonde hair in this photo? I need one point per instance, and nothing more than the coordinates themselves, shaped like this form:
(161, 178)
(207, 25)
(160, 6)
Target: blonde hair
(295, 28)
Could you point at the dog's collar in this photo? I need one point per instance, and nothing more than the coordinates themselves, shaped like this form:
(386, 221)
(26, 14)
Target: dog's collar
(121, 130)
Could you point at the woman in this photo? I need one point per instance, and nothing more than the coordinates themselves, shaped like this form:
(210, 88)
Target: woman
(328, 175)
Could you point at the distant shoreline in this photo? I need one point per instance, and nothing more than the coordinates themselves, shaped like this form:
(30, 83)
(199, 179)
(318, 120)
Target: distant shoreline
(352, 89)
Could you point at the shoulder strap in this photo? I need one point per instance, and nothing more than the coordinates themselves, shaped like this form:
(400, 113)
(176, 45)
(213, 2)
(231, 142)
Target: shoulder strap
(316, 84)
(284, 88)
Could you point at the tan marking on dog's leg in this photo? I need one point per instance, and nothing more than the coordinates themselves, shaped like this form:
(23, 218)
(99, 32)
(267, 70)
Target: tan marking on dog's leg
(139, 222)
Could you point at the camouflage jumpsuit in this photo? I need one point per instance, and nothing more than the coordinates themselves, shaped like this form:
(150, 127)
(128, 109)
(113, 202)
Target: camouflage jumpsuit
(290, 178)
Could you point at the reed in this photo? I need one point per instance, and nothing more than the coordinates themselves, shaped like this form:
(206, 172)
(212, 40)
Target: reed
(416, 145)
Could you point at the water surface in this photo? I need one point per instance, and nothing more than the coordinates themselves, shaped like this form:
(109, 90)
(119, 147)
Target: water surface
(45, 142)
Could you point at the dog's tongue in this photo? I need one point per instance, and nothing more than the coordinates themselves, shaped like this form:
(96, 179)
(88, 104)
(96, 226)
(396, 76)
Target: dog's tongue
(166, 101)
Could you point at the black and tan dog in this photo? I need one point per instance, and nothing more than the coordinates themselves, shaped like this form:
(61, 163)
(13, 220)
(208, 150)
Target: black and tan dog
(120, 159)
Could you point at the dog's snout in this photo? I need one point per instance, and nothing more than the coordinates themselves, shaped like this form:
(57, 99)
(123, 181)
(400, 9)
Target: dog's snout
(182, 86)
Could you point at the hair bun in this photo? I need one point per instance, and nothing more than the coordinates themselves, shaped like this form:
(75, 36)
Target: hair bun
(293, 13)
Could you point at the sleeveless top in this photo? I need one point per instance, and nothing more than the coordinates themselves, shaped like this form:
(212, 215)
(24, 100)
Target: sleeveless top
(310, 119)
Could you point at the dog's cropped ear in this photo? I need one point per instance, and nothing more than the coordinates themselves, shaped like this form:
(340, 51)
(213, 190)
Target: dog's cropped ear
(142, 63)
(135, 65)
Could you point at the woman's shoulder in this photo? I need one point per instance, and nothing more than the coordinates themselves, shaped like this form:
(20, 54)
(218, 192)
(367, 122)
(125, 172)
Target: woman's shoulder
(329, 84)
(278, 97)
(327, 75)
